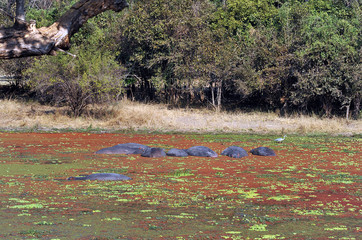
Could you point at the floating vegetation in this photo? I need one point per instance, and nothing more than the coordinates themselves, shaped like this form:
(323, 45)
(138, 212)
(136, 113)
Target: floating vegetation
(258, 227)
(44, 223)
(28, 206)
(312, 186)
(283, 198)
(180, 173)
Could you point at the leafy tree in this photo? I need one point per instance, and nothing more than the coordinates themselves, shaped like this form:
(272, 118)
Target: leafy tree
(328, 62)
(287, 54)
(170, 46)
(92, 76)
(45, 12)
(145, 43)
(242, 15)
(161, 45)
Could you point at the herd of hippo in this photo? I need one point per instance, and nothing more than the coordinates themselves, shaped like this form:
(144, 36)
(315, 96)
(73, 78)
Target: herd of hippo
(145, 151)
(201, 151)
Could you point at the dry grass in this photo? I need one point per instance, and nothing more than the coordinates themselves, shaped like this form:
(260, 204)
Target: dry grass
(151, 117)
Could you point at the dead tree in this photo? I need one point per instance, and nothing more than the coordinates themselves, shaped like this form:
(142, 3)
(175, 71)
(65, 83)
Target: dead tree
(23, 39)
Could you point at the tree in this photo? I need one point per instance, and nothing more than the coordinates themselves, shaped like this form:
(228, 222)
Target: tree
(241, 15)
(146, 43)
(161, 45)
(25, 39)
(329, 63)
(94, 76)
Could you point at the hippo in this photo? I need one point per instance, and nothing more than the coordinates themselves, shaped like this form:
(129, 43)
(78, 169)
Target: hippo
(235, 152)
(154, 152)
(263, 151)
(102, 177)
(125, 148)
(174, 152)
(201, 151)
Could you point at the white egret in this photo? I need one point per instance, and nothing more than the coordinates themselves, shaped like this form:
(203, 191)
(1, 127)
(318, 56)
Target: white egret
(280, 139)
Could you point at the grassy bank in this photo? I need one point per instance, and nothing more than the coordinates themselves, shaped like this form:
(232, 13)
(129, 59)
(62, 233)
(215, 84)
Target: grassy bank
(126, 115)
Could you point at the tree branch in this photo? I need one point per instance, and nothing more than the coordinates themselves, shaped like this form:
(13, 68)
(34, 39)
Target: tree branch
(30, 41)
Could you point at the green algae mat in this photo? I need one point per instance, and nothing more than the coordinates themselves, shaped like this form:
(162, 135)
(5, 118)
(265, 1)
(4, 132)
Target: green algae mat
(310, 190)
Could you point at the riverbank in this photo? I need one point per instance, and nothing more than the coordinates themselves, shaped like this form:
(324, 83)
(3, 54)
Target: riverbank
(126, 115)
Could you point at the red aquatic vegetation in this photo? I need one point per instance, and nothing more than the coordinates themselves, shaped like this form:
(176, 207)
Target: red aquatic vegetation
(166, 194)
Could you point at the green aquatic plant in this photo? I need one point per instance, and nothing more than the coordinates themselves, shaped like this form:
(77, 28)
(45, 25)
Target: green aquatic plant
(180, 173)
(252, 193)
(44, 223)
(112, 219)
(28, 206)
(283, 198)
(337, 228)
(258, 227)
(32, 232)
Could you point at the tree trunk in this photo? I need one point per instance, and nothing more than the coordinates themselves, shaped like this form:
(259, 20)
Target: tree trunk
(218, 96)
(213, 95)
(327, 106)
(20, 14)
(30, 41)
(357, 103)
(347, 111)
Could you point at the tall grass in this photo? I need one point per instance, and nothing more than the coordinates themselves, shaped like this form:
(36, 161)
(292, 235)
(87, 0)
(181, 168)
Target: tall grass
(128, 115)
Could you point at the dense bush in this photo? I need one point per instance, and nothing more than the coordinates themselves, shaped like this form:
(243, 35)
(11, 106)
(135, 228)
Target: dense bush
(93, 76)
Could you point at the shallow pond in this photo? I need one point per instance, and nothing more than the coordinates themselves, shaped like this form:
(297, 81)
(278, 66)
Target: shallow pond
(310, 190)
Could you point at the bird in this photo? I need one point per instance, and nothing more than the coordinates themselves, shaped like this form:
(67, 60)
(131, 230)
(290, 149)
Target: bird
(280, 139)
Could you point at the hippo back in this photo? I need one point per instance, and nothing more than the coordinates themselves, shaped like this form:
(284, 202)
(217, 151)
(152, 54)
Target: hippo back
(263, 151)
(125, 148)
(154, 152)
(235, 152)
(174, 152)
(201, 151)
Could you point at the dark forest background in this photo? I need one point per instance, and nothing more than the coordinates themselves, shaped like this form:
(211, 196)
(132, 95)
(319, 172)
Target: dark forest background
(288, 56)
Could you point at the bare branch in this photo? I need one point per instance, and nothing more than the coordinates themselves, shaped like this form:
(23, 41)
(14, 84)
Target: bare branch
(61, 50)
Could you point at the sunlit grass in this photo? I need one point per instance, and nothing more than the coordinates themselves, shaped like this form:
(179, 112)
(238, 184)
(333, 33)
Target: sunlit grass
(134, 116)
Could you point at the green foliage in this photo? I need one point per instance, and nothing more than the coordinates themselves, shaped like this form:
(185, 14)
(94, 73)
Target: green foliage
(241, 15)
(162, 41)
(329, 61)
(289, 55)
(45, 13)
(92, 76)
